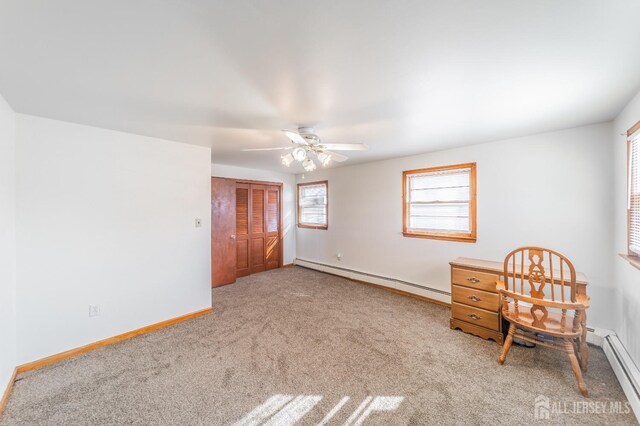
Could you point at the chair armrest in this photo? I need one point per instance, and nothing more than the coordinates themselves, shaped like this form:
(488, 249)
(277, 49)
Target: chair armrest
(583, 299)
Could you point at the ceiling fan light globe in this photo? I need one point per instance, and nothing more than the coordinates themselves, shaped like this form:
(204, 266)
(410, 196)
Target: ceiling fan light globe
(287, 159)
(309, 165)
(324, 158)
(299, 154)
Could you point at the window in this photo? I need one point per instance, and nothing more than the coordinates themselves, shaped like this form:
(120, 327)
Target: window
(313, 205)
(633, 200)
(440, 203)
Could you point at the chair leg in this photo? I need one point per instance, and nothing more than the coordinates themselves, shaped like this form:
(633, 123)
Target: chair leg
(584, 355)
(584, 358)
(581, 354)
(584, 348)
(575, 366)
(507, 344)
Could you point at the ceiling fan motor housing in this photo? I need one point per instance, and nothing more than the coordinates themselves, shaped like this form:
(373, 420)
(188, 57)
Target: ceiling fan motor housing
(306, 130)
(308, 133)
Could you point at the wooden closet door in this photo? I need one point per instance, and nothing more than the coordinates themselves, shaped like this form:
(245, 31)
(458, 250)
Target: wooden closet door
(223, 228)
(272, 234)
(258, 227)
(243, 206)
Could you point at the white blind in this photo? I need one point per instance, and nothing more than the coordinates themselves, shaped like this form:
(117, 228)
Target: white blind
(312, 202)
(634, 193)
(440, 201)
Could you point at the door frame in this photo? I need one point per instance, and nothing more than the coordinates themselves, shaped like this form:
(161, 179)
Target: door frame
(280, 210)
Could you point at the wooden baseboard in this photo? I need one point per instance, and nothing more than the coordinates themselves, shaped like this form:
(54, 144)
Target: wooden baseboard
(7, 392)
(109, 341)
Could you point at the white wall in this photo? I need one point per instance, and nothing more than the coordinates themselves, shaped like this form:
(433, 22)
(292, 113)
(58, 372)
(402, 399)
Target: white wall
(288, 199)
(626, 277)
(551, 190)
(106, 218)
(7, 244)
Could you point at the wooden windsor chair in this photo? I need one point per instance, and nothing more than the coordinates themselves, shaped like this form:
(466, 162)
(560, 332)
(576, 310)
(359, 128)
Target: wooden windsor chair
(539, 300)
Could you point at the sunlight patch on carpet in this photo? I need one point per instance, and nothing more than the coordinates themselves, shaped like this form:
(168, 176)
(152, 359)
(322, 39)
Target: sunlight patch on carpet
(284, 410)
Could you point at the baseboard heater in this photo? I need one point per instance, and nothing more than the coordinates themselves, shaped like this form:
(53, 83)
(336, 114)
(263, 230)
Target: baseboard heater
(421, 290)
(625, 369)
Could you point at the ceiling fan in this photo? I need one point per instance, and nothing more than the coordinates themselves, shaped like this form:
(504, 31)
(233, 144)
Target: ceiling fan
(306, 142)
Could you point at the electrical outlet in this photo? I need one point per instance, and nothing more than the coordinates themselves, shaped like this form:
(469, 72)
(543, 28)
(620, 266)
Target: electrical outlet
(94, 310)
(339, 256)
(198, 223)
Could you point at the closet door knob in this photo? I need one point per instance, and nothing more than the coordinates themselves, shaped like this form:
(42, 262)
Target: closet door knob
(233, 237)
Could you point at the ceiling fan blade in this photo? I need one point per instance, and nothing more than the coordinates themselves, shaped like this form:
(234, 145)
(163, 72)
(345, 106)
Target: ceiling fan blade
(346, 146)
(295, 137)
(337, 157)
(266, 149)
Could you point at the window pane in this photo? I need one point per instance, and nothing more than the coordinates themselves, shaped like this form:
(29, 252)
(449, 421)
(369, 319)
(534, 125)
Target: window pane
(439, 224)
(440, 180)
(312, 191)
(442, 194)
(440, 186)
(444, 210)
(315, 215)
(440, 217)
(312, 201)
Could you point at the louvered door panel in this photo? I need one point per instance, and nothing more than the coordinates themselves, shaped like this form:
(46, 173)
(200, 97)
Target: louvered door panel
(243, 206)
(272, 243)
(257, 210)
(272, 210)
(242, 210)
(257, 236)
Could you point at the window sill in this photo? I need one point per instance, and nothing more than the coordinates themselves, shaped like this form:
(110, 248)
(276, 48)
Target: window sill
(323, 227)
(633, 260)
(453, 237)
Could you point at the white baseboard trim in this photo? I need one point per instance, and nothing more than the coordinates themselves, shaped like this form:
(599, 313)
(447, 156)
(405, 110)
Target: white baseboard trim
(413, 288)
(626, 371)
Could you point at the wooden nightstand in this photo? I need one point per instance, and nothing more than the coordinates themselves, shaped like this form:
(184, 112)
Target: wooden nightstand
(475, 302)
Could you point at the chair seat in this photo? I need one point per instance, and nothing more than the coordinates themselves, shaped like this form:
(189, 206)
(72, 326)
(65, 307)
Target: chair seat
(552, 324)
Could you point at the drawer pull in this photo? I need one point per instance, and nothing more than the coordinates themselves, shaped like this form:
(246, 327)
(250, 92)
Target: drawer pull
(474, 316)
(473, 280)
(474, 298)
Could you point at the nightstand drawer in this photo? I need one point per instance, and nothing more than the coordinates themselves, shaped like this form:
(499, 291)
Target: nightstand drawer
(476, 298)
(477, 316)
(475, 279)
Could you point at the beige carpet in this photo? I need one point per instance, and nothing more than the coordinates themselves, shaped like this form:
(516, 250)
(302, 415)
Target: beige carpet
(294, 344)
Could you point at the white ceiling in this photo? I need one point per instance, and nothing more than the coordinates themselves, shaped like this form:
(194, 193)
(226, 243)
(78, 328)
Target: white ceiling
(402, 76)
